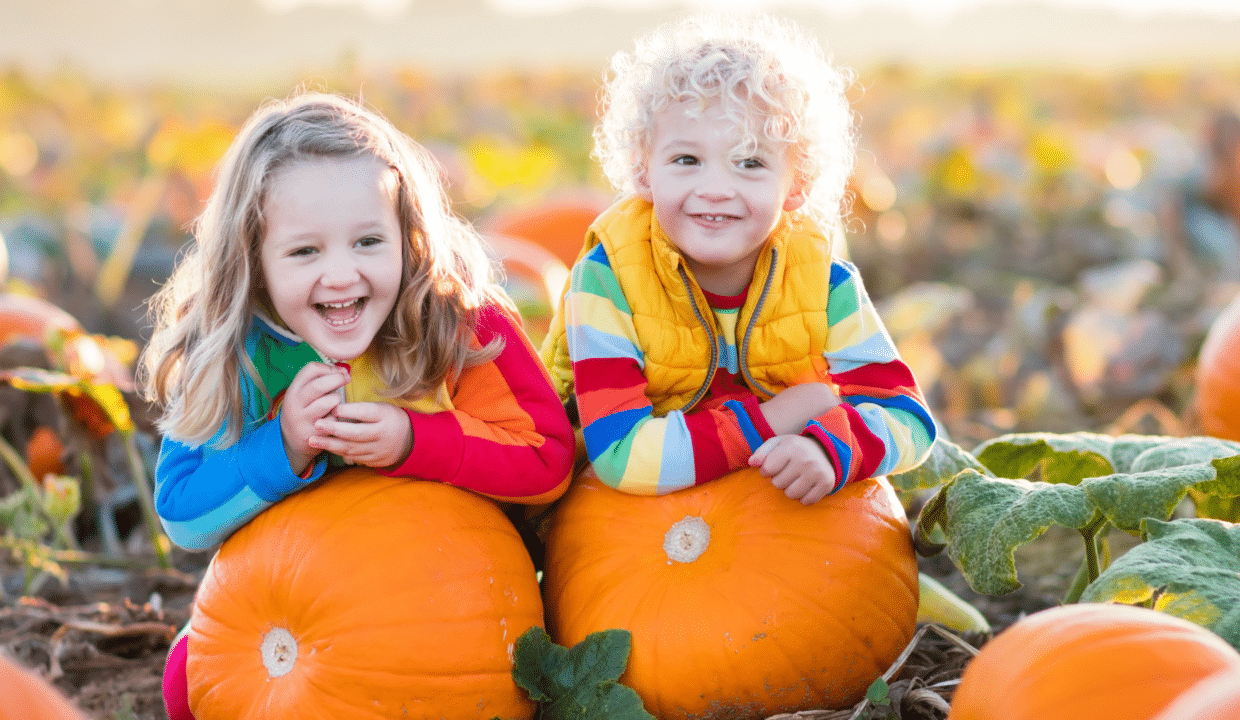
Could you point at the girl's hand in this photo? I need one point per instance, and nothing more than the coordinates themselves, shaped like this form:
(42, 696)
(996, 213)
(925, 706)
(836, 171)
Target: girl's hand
(797, 465)
(376, 434)
(311, 396)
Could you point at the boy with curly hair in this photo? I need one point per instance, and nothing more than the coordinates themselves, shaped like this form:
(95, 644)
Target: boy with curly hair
(707, 326)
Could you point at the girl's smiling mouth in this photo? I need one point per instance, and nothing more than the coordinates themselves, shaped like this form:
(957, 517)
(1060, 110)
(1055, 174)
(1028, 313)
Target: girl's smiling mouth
(342, 313)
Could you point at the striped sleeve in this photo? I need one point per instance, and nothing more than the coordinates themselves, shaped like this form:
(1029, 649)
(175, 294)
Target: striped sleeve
(507, 435)
(203, 494)
(630, 448)
(882, 424)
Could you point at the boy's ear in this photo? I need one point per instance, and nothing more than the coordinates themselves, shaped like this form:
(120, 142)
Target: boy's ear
(796, 196)
(641, 184)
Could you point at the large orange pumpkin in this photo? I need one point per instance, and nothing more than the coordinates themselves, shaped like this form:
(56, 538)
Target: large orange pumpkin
(1090, 660)
(1217, 399)
(1215, 698)
(365, 597)
(24, 696)
(741, 602)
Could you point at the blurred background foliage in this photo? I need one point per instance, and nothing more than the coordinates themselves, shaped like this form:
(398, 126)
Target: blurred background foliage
(1010, 223)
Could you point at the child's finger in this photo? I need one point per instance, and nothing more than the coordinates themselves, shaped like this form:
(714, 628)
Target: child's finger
(759, 456)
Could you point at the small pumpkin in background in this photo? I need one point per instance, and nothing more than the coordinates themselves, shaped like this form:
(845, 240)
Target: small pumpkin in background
(25, 696)
(558, 224)
(741, 602)
(1217, 398)
(45, 452)
(1089, 660)
(364, 597)
(1215, 698)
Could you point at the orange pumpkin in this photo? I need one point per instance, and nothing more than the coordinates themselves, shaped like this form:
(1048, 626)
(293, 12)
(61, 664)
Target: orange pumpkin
(1215, 698)
(25, 696)
(1090, 660)
(558, 224)
(364, 597)
(1217, 399)
(741, 602)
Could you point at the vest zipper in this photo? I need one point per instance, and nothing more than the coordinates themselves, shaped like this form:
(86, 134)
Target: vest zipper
(753, 320)
(714, 343)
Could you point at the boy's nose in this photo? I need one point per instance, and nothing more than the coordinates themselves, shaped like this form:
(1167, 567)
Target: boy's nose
(715, 187)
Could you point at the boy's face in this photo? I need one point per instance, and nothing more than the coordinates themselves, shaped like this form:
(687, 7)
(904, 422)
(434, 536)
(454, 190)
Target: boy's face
(717, 209)
(331, 256)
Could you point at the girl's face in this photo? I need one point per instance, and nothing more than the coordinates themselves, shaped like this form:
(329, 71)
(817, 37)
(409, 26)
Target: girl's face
(331, 257)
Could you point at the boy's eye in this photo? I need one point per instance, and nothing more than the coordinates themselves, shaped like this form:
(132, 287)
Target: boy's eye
(751, 163)
(684, 160)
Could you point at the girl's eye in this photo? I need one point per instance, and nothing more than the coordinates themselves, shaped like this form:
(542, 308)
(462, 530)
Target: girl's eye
(751, 164)
(684, 160)
(302, 252)
(369, 241)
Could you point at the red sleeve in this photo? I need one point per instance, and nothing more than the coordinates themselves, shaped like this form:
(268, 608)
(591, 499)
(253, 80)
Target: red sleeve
(507, 435)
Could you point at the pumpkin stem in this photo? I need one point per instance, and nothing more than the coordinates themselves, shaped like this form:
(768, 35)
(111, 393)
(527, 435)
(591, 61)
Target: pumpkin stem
(279, 651)
(686, 539)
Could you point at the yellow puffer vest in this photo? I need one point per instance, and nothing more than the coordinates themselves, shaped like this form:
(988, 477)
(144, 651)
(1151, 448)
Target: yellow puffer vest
(782, 334)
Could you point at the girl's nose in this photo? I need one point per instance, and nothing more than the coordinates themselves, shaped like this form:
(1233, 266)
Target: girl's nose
(339, 273)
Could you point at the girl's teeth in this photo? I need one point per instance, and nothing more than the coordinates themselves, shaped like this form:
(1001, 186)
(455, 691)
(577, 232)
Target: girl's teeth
(341, 313)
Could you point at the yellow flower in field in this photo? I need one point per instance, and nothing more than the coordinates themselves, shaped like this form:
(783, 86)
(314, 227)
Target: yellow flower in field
(513, 169)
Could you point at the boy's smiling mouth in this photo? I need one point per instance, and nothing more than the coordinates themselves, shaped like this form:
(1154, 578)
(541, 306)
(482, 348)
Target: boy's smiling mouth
(341, 313)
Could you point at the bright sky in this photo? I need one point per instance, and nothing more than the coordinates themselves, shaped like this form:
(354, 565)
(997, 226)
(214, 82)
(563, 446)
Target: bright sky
(928, 9)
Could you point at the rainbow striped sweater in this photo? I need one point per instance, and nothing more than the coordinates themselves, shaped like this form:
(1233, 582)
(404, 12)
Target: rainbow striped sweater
(881, 426)
(499, 430)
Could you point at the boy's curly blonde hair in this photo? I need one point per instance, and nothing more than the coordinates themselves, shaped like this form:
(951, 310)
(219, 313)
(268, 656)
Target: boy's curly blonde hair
(770, 76)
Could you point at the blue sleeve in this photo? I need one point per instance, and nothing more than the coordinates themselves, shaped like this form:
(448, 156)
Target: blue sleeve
(203, 494)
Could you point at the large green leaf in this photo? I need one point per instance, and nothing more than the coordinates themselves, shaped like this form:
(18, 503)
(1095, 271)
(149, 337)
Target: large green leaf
(1043, 479)
(1188, 567)
(988, 518)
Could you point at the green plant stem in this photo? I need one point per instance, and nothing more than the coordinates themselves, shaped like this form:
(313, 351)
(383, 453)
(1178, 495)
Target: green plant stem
(137, 472)
(86, 558)
(1097, 557)
(31, 486)
(933, 513)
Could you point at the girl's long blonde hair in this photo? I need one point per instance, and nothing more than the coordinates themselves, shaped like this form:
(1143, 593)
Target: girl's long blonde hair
(771, 78)
(193, 363)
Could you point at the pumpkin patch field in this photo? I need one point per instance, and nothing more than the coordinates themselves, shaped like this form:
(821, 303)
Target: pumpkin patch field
(1070, 546)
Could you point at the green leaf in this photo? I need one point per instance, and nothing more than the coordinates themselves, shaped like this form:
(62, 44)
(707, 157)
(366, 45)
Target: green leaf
(604, 701)
(1057, 459)
(581, 682)
(878, 692)
(540, 667)
(984, 519)
(945, 461)
(1189, 568)
(988, 518)
(601, 656)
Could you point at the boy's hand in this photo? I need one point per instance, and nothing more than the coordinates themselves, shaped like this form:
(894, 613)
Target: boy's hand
(375, 434)
(797, 465)
(311, 396)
